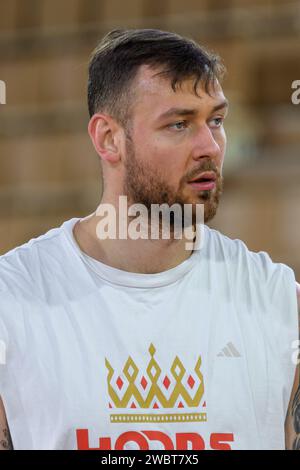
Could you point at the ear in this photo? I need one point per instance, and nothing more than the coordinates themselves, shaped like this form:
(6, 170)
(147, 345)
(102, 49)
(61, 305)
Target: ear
(103, 131)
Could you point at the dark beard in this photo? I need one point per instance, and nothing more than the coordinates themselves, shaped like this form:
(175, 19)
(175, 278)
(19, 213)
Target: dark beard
(143, 184)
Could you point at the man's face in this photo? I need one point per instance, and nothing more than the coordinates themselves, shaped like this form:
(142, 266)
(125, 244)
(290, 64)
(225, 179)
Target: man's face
(174, 137)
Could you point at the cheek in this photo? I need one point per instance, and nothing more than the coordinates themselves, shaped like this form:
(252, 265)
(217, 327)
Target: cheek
(223, 151)
(169, 161)
(223, 140)
(161, 155)
(222, 143)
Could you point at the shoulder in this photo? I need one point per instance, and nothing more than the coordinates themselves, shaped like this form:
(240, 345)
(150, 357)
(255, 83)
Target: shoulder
(24, 271)
(231, 246)
(20, 267)
(243, 260)
(255, 277)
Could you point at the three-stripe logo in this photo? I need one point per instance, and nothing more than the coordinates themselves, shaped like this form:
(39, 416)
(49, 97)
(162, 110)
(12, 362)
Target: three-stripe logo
(229, 351)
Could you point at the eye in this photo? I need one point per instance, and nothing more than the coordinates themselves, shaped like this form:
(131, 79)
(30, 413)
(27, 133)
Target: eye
(218, 121)
(179, 125)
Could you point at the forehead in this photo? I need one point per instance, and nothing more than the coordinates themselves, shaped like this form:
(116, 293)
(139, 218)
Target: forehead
(154, 94)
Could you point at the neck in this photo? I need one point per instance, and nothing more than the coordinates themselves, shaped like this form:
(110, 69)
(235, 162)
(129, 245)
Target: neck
(145, 256)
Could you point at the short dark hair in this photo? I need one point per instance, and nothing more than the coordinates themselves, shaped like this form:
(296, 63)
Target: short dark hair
(115, 62)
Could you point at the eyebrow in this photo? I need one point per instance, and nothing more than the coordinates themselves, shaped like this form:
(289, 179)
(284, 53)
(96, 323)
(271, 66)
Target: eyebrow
(190, 112)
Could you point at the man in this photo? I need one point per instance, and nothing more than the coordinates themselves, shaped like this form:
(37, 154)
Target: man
(121, 343)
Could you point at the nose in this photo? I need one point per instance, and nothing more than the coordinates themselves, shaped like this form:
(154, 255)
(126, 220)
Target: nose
(206, 144)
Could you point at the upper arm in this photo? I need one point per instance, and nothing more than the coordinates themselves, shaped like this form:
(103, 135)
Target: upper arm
(5, 439)
(292, 425)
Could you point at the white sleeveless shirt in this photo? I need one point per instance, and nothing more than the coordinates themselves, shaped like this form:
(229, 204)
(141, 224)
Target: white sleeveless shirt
(195, 357)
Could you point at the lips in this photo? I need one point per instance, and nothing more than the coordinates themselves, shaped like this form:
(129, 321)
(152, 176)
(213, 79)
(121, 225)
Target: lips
(204, 181)
(207, 176)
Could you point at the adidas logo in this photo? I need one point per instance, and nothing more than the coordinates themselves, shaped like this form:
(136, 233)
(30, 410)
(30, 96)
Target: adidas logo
(229, 351)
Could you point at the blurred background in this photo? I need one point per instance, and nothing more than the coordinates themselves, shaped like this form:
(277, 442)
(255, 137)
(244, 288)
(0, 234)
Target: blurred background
(49, 171)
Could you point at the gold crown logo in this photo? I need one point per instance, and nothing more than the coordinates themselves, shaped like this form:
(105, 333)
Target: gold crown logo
(158, 392)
